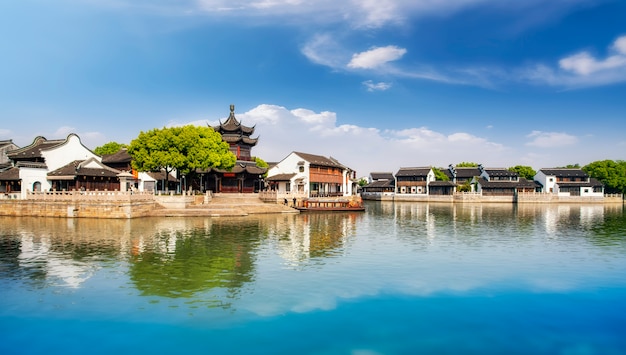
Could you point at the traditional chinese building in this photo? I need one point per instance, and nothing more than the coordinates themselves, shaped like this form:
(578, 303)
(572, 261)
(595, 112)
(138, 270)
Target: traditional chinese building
(245, 176)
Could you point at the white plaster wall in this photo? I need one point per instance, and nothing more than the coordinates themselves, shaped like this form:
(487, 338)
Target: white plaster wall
(543, 179)
(289, 165)
(143, 178)
(71, 150)
(31, 175)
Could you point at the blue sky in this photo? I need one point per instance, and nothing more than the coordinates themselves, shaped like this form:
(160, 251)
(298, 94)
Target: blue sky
(377, 84)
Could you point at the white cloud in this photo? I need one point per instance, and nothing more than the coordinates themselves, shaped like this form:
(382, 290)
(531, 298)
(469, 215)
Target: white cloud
(324, 50)
(582, 69)
(584, 63)
(376, 57)
(380, 86)
(364, 149)
(550, 139)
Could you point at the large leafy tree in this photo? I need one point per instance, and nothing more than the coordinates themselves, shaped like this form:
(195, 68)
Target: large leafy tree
(524, 171)
(109, 148)
(183, 148)
(611, 173)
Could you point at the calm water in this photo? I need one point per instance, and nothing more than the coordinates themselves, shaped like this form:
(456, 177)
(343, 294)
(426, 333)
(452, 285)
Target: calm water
(398, 279)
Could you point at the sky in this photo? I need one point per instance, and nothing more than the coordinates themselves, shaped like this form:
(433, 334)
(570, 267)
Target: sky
(375, 84)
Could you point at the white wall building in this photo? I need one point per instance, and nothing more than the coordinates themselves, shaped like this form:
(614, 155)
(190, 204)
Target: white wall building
(309, 175)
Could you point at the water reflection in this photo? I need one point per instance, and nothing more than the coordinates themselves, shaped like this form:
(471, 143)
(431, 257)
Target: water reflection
(393, 245)
(314, 235)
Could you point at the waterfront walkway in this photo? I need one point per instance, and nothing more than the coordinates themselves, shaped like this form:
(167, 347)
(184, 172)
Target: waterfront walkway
(226, 205)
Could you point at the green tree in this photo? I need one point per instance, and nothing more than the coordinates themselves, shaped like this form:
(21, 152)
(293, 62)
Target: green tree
(466, 186)
(524, 171)
(183, 148)
(362, 182)
(466, 164)
(261, 164)
(440, 175)
(109, 148)
(611, 173)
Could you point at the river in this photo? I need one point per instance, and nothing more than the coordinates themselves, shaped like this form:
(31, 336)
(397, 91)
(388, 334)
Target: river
(400, 278)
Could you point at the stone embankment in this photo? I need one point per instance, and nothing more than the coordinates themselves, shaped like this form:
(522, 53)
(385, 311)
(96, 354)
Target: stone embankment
(475, 197)
(133, 205)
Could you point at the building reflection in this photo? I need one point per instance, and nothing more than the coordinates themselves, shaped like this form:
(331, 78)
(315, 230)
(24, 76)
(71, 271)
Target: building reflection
(302, 237)
(167, 257)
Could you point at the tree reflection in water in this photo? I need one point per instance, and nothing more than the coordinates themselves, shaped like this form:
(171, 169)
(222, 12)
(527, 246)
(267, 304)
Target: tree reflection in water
(182, 263)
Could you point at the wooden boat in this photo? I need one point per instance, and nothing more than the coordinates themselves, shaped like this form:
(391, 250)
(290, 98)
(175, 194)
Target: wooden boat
(331, 205)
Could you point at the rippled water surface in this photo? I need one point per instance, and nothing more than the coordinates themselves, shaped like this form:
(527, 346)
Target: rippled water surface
(400, 278)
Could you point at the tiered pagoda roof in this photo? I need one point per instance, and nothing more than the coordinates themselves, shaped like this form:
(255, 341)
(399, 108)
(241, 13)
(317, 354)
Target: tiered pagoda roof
(233, 132)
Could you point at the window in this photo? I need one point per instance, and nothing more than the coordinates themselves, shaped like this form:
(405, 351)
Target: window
(301, 168)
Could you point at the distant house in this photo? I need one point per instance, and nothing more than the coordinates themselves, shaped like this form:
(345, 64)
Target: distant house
(6, 146)
(462, 176)
(311, 175)
(119, 160)
(33, 162)
(502, 182)
(568, 182)
(414, 180)
(439, 187)
(380, 183)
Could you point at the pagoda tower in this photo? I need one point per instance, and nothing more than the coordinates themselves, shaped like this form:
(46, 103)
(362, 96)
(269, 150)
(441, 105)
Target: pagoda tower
(245, 176)
(237, 136)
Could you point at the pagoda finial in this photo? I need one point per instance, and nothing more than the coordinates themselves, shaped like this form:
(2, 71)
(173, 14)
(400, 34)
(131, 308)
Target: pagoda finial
(232, 108)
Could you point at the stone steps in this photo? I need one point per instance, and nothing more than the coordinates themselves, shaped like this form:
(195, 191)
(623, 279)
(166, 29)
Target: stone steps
(227, 205)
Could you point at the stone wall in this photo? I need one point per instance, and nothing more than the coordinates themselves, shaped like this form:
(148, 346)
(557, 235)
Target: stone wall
(76, 209)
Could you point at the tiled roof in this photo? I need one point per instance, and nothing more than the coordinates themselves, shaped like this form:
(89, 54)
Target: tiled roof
(31, 164)
(281, 177)
(441, 183)
(232, 125)
(468, 172)
(320, 160)
(121, 156)
(236, 138)
(81, 168)
(248, 166)
(382, 176)
(10, 174)
(564, 172)
(423, 171)
(501, 172)
(160, 175)
(381, 183)
(522, 183)
(34, 149)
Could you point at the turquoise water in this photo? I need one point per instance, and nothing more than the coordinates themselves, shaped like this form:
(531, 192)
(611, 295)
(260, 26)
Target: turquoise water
(400, 278)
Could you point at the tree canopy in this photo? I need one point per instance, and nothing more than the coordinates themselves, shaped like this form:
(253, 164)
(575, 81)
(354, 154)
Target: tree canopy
(611, 173)
(524, 171)
(109, 148)
(467, 164)
(440, 175)
(183, 148)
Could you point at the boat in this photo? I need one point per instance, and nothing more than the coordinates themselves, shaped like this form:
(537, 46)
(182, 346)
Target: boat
(331, 205)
